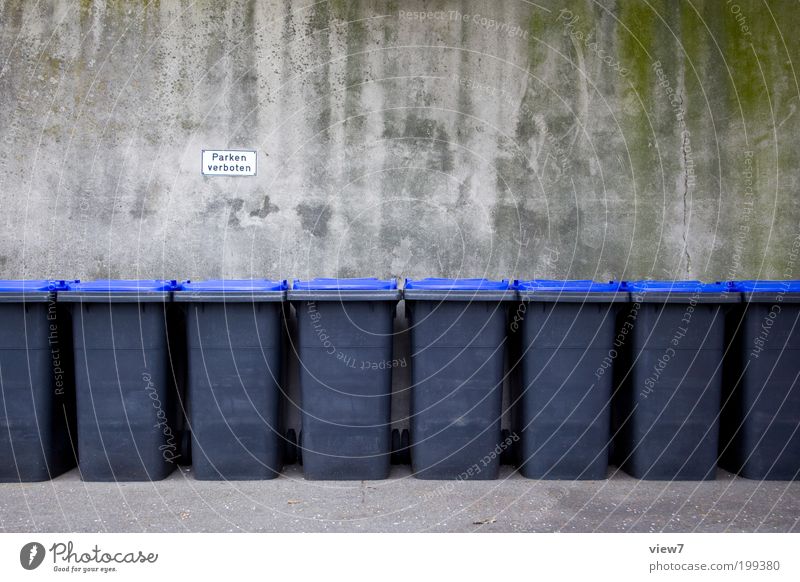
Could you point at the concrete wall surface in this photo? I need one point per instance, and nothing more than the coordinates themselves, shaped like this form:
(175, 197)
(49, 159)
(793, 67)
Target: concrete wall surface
(582, 139)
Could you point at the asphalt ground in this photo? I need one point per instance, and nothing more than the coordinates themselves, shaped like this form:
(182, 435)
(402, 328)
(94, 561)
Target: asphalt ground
(401, 504)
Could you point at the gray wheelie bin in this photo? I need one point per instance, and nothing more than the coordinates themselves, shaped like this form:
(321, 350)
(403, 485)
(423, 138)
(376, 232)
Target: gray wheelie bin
(668, 408)
(566, 346)
(37, 414)
(344, 345)
(126, 389)
(761, 414)
(458, 345)
(234, 330)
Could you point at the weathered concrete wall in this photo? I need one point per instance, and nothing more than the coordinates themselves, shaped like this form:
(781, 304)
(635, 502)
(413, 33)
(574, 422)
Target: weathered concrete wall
(610, 139)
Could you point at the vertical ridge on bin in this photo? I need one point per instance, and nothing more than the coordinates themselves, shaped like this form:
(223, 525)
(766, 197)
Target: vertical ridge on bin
(458, 343)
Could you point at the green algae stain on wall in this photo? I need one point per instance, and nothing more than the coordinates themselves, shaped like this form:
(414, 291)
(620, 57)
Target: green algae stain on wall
(747, 85)
(537, 27)
(637, 34)
(748, 61)
(759, 66)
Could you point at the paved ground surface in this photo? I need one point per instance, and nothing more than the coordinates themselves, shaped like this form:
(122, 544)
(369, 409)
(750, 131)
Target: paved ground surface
(400, 504)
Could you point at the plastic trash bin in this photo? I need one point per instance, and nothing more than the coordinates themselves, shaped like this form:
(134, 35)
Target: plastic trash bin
(234, 332)
(37, 412)
(667, 410)
(567, 347)
(458, 345)
(761, 414)
(344, 345)
(126, 392)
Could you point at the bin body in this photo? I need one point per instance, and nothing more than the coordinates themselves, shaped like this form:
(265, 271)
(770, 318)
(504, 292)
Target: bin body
(668, 407)
(37, 408)
(566, 353)
(234, 378)
(458, 346)
(344, 345)
(761, 416)
(125, 385)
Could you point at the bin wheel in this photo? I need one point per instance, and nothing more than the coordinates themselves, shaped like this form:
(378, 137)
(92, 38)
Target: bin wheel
(290, 448)
(396, 438)
(185, 458)
(405, 447)
(507, 455)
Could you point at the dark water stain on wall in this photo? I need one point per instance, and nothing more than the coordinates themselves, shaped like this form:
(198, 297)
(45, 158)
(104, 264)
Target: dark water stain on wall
(235, 206)
(266, 208)
(425, 139)
(314, 218)
(150, 197)
(318, 34)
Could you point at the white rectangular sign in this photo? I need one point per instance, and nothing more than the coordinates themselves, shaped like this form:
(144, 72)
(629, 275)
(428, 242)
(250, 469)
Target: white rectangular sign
(230, 162)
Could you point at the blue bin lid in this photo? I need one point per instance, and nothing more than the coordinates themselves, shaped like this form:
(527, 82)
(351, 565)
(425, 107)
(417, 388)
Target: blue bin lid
(648, 286)
(234, 285)
(329, 284)
(755, 286)
(31, 285)
(437, 284)
(124, 286)
(568, 286)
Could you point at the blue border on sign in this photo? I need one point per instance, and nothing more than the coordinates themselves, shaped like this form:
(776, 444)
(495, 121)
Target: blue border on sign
(253, 175)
